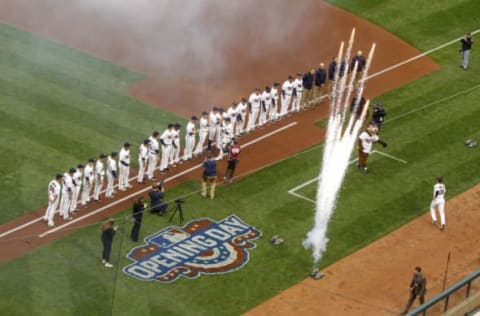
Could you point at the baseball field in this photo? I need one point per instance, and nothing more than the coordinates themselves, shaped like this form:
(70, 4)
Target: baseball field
(63, 102)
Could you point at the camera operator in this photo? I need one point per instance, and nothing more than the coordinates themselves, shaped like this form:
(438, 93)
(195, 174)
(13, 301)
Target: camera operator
(156, 196)
(378, 115)
(139, 206)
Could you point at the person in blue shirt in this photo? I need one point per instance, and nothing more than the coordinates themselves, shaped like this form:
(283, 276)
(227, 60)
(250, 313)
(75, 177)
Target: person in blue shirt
(209, 177)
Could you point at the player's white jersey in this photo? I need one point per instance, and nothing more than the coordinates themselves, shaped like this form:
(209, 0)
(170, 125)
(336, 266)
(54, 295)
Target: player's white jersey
(287, 88)
(54, 190)
(298, 85)
(190, 129)
(77, 178)
(213, 118)
(242, 109)
(203, 124)
(111, 165)
(274, 95)
(441, 189)
(67, 185)
(142, 152)
(232, 113)
(99, 171)
(124, 157)
(167, 137)
(254, 100)
(88, 174)
(267, 98)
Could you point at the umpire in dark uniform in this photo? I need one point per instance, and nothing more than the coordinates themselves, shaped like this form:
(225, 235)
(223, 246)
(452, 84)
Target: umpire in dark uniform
(139, 207)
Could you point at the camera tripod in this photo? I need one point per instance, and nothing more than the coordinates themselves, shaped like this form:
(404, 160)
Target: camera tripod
(178, 207)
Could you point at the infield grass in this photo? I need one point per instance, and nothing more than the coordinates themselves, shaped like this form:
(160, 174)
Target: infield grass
(66, 278)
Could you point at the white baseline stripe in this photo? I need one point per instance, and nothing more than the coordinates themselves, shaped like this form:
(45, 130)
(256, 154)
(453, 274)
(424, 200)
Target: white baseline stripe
(389, 156)
(378, 73)
(148, 188)
(432, 103)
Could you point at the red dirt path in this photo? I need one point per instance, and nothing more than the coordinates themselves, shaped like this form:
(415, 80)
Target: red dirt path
(255, 51)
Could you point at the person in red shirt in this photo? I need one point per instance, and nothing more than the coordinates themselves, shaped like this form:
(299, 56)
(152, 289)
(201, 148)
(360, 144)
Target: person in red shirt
(233, 153)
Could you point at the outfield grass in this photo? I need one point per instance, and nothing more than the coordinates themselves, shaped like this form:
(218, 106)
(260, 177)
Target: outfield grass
(65, 277)
(59, 107)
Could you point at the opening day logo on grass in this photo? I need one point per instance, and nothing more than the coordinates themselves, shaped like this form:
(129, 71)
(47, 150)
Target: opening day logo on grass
(202, 246)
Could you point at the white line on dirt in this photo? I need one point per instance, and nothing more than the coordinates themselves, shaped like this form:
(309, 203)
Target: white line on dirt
(166, 180)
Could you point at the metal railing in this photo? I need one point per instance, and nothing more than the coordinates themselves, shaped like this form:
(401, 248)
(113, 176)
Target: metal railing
(445, 295)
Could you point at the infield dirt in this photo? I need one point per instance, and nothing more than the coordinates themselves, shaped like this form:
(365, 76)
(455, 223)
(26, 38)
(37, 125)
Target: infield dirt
(372, 281)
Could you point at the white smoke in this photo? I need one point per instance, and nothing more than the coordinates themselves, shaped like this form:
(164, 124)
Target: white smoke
(340, 140)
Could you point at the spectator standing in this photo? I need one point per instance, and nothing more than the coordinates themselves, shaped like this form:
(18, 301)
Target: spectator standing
(108, 231)
(307, 81)
(139, 207)
(465, 49)
(418, 287)
(233, 153)
(320, 80)
(209, 177)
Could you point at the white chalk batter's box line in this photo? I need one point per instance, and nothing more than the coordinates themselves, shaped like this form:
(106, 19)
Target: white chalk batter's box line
(294, 193)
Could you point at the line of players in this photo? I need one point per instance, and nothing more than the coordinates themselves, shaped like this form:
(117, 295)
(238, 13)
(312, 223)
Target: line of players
(161, 151)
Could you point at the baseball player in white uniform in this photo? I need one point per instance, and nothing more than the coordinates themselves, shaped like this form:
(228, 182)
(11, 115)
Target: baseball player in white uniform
(232, 113)
(142, 159)
(175, 149)
(297, 96)
(287, 92)
(266, 103)
(202, 133)
(438, 202)
(166, 140)
(54, 189)
(99, 176)
(273, 115)
(111, 174)
(77, 186)
(241, 117)
(124, 167)
(227, 135)
(221, 115)
(190, 132)
(153, 154)
(67, 193)
(88, 180)
(212, 126)
(254, 107)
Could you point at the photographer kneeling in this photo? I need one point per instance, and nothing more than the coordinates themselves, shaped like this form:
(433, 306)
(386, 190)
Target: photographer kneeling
(156, 196)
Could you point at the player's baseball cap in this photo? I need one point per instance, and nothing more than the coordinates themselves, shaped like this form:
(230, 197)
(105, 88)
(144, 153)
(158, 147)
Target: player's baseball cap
(146, 141)
(72, 170)
(103, 156)
(113, 154)
(194, 118)
(91, 160)
(155, 133)
(126, 144)
(59, 176)
(80, 166)
(204, 113)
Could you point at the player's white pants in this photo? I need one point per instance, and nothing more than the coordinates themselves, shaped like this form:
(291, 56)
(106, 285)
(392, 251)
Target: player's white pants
(225, 141)
(175, 153)
(75, 194)
(263, 116)
(110, 183)
(152, 164)
(50, 212)
(87, 188)
(272, 115)
(211, 133)
(252, 119)
(201, 141)
(285, 104)
(141, 169)
(239, 128)
(165, 156)
(296, 102)
(123, 174)
(98, 188)
(440, 204)
(189, 145)
(65, 205)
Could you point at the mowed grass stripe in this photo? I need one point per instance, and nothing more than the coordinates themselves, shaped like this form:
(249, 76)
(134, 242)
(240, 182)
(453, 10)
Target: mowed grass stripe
(64, 59)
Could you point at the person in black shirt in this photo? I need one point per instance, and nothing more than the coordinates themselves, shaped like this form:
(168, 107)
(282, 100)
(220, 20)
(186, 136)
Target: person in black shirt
(467, 42)
(108, 231)
(378, 115)
(320, 80)
(156, 196)
(418, 287)
(307, 82)
(139, 206)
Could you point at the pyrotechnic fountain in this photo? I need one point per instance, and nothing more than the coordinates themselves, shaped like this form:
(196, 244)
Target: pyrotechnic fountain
(341, 136)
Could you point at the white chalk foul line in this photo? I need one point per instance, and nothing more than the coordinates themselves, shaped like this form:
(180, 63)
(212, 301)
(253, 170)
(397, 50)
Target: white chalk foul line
(389, 156)
(294, 193)
(148, 188)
